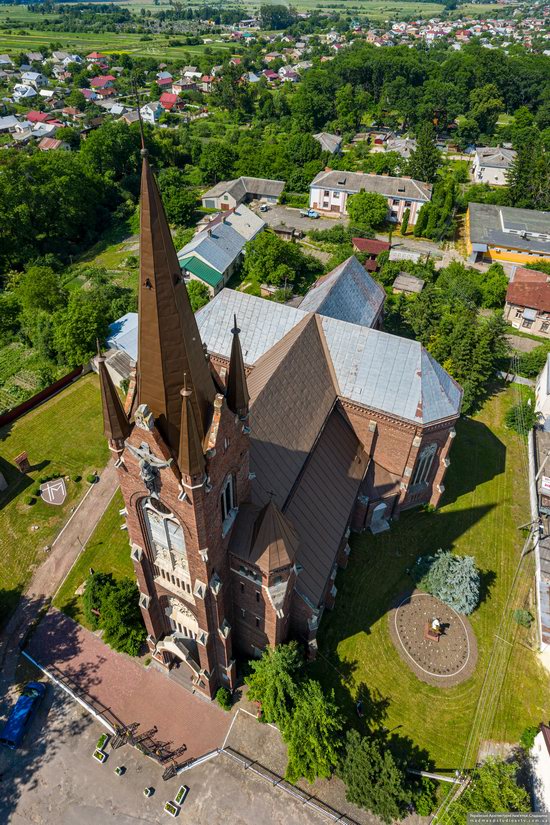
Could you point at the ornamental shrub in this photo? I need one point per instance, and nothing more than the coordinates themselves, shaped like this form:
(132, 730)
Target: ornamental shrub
(453, 579)
(223, 698)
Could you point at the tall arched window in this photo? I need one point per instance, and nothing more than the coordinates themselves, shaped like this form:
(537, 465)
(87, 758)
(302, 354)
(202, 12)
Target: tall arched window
(167, 542)
(424, 465)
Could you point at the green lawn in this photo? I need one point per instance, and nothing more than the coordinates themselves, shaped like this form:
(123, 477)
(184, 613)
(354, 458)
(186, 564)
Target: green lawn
(63, 435)
(107, 551)
(486, 500)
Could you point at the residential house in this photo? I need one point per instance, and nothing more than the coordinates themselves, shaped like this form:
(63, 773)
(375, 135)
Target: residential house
(47, 144)
(288, 75)
(250, 77)
(205, 83)
(213, 255)
(96, 57)
(35, 57)
(272, 77)
(491, 165)
(5, 60)
(185, 84)
(170, 101)
(102, 82)
(403, 146)
(35, 79)
(165, 80)
(330, 190)
(235, 61)
(528, 302)
(329, 143)
(89, 94)
(23, 92)
(348, 293)
(228, 194)
(191, 73)
(8, 124)
(151, 112)
(505, 233)
(271, 56)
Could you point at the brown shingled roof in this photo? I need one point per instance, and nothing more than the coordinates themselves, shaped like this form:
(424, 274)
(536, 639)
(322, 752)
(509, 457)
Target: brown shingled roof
(292, 391)
(322, 500)
(275, 541)
(169, 343)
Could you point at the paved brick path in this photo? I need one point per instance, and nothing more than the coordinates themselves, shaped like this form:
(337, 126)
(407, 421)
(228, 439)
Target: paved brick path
(131, 692)
(51, 573)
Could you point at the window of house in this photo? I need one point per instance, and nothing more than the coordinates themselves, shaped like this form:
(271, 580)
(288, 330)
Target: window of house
(228, 498)
(519, 313)
(544, 326)
(527, 323)
(257, 622)
(424, 464)
(326, 194)
(408, 204)
(257, 596)
(396, 202)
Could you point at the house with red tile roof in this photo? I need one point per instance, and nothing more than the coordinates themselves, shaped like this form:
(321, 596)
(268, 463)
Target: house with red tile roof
(104, 81)
(170, 101)
(528, 301)
(39, 117)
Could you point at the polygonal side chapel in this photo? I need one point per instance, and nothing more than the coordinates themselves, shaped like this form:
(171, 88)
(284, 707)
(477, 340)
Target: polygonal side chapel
(243, 469)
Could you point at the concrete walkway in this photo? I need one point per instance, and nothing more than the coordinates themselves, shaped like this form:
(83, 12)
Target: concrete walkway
(47, 578)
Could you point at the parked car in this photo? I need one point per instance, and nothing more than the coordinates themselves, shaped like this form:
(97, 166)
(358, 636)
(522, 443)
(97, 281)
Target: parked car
(309, 213)
(264, 207)
(13, 731)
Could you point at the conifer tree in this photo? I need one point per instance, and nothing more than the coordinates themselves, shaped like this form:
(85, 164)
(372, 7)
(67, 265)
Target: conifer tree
(426, 158)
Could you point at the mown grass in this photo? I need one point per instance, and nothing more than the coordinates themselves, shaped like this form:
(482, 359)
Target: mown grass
(64, 435)
(486, 499)
(107, 551)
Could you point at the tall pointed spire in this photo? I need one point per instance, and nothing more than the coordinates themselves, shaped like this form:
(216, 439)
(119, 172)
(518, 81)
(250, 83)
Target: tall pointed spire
(169, 339)
(237, 390)
(115, 423)
(190, 454)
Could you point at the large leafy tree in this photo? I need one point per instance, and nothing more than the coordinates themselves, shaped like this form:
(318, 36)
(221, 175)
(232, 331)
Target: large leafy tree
(529, 176)
(485, 106)
(269, 259)
(367, 210)
(112, 150)
(79, 326)
(216, 162)
(179, 201)
(198, 294)
(493, 789)
(373, 778)
(453, 579)
(274, 682)
(426, 158)
(312, 734)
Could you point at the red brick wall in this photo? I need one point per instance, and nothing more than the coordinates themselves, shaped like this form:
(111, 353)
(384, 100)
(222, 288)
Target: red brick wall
(200, 517)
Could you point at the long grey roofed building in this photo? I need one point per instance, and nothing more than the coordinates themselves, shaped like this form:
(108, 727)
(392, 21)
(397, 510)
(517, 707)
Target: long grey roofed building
(219, 246)
(495, 156)
(377, 370)
(239, 187)
(506, 226)
(353, 182)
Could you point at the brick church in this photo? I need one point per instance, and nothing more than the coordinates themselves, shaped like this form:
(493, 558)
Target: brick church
(255, 437)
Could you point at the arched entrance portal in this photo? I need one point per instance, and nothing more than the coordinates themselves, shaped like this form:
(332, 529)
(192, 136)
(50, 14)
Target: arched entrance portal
(181, 644)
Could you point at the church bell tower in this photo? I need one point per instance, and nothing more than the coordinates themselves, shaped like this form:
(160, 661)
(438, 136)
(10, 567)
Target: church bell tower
(182, 460)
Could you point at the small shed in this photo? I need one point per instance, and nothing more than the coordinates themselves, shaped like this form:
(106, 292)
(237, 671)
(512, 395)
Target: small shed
(409, 284)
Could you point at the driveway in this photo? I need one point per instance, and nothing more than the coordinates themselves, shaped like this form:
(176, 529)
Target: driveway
(287, 215)
(53, 780)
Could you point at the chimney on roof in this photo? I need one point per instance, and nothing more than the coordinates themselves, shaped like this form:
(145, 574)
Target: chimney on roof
(328, 168)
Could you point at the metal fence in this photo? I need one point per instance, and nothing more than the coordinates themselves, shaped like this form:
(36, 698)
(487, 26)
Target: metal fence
(277, 781)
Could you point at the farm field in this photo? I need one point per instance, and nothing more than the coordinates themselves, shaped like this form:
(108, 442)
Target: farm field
(486, 499)
(64, 435)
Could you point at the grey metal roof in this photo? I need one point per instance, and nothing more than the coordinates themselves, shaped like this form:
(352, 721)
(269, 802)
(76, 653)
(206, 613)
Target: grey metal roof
(329, 143)
(262, 323)
(353, 182)
(218, 246)
(348, 293)
(381, 371)
(489, 222)
(495, 157)
(390, 374)
(243, 220)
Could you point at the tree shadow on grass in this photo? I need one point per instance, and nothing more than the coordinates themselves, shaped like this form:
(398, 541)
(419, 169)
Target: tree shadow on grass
(487, 580)
(17, 482)
(477, 456)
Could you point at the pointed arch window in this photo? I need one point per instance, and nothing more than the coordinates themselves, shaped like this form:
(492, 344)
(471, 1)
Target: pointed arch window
(424, 465)
(167, 542)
